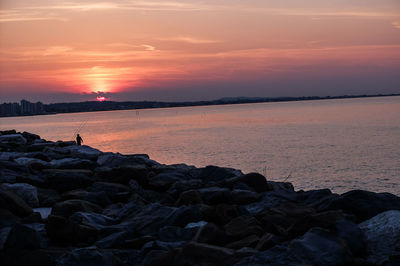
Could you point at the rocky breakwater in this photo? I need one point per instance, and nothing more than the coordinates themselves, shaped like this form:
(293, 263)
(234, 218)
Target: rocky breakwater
(62, 204)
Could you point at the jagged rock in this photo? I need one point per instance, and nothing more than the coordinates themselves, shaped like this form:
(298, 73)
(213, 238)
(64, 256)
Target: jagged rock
(63, 230)
(124, 174)
(23, 237)
(163, 181)
(72, 163)
(382, 233)
(30, 137)
(83, 151)
(189, 197)
(7, 217)
(364, 204)
(222, 213)
(249, 241)
(88, 257)
(318, 199)
(94, 220)
(240, 196)
(254, 180)
(25, 191)
(176, 233)
(214, 174)
(65, 181)
(17, 139)
(31, 162)
(115, 240)
(215, 195)
(69, 207)
(320, 247)
(271, 199)
(211, 234)
(243, 226)
(193, 253)
(114, 191)
(48, 197)
(14, 204)
(158, 258)
(182, 186)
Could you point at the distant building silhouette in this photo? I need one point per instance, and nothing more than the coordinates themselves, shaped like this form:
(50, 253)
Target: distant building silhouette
(23, 108)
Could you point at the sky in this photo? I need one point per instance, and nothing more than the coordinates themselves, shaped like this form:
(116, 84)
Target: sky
(61, 51)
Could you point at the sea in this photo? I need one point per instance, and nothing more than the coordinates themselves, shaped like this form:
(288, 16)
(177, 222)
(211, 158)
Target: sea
(340, 144)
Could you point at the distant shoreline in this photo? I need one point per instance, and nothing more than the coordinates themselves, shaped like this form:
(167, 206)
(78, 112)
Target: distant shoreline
(96, 106)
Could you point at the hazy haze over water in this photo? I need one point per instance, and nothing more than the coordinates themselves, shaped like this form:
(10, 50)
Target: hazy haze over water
(339, 144)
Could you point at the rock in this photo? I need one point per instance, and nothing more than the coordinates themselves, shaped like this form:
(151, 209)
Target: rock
(210, 234)
(189, 197)
(30, 137)
(48, 197)
(320, 247)
(154, 216)
(94, 220)
(72, 163)
(352, 235)
(31, 162)
(23, 237)
(87, 257)
(222, 213)
(158, 257)
(124, 174)
(115, 240)
(382, 233)
(364, 204)
(271, 199)
(7, 217)
(244, 196)
(69, 207)
(243, 226)
(16, 139)
(214, 174)
(276, 186)
(63, 230)
(318, 199)
(14, 204)
(25, 191)
(267, 241)
(176, 233)
(115, 192)
(215, 195)
(4, 232)
(83, 151)
(193, 253)
(65, 181)
(249, 241)
(163, 181)
(181, 186)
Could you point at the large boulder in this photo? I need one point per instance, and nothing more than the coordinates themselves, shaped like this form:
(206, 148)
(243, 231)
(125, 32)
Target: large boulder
(25, 191)
(194, 253)
(72, 163)
(382, 233)
(23, 237)
(13, 139)
(65, 181)
(69, 207)
(243, 226)
(215, 195)
(14, 204)
(113, 190)
(84, 152)
(364, 204)
(88, 257)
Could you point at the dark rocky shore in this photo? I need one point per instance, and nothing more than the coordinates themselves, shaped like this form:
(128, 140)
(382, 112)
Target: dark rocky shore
(62, 204)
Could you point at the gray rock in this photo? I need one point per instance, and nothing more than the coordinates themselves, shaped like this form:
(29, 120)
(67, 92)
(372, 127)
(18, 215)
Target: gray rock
(87, 257)
(364, 204)
(94, 220)
(14, 204)
(83, 151)
(382, 234)
(69, 207)
(25, 191)
(240, 196)
(215, 195)
(22, 236)
(72, 163)
(13, 139)
(26, 161)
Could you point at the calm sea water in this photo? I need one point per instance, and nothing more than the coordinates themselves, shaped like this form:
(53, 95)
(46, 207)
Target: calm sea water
(339, 144)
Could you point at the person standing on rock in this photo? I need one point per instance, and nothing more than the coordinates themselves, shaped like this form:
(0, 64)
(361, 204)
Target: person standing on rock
(79, 140)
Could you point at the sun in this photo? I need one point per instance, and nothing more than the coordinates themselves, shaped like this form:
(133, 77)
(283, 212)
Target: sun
(101, 98)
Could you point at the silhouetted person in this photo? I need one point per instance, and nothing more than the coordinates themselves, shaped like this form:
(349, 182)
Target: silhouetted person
(79, 140)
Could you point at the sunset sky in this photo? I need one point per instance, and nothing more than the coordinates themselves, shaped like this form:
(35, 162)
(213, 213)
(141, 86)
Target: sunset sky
(57, 51)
